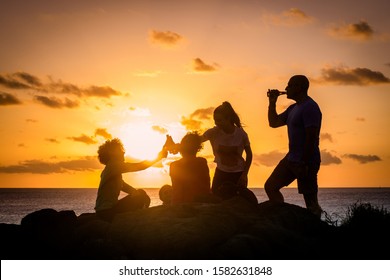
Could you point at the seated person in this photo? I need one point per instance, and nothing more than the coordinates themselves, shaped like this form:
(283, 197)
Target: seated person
(190, 174)
(111, 154)
(165, 194)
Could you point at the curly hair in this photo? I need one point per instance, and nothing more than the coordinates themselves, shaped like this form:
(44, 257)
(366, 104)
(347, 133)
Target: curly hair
(106, 150)
(191, 143)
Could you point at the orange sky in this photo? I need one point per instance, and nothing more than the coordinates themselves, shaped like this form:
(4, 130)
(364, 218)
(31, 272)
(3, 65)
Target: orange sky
(75, 73)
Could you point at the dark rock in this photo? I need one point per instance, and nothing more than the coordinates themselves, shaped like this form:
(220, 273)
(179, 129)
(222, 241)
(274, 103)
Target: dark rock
(231, 229)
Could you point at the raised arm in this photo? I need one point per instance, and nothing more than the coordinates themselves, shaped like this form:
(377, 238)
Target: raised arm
(274, 119)
(138, 166)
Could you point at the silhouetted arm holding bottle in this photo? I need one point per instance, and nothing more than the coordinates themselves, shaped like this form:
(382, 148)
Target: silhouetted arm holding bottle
(274, 119)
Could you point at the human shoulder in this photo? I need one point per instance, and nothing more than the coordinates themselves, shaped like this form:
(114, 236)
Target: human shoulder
(311, 105)
(241, 132)
(210, 133)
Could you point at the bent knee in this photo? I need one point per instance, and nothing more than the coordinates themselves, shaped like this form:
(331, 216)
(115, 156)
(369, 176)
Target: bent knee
(268, 186)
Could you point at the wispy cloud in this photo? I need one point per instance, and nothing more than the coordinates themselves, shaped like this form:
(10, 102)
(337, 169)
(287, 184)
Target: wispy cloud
(272, 158)
(352, 76)
(31, 120)
(326, 136)
(167, 39)
(160, 129)
(203, 113)
(12, 81)
(268, 159)
(363, 158)
(84, 139)
(8, 99)
(291, 17)
(195, 120)
(103, 132)
(52, 140)
(198, 65)
(23, 81)
(46, 167)
(191, 124)
(360, 31)
(56, 103)
(327, 158)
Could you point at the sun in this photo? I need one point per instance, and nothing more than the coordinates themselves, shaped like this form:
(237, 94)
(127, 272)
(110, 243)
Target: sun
(141, 141)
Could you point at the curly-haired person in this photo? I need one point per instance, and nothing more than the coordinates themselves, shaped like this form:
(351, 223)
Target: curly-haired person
(111, 154)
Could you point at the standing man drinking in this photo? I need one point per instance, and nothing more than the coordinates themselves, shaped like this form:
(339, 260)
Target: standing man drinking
(302, 162)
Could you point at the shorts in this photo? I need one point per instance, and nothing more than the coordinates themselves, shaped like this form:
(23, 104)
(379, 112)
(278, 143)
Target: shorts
(287, 171)
(221, 177)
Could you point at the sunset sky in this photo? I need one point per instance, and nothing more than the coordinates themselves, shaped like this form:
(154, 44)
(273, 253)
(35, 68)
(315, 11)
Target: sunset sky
(75, 73)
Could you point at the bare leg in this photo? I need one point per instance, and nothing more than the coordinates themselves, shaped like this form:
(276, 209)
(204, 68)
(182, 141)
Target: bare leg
(273, 193)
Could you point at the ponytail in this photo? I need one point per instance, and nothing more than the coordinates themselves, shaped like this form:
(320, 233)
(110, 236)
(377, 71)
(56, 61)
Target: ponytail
(228, 112)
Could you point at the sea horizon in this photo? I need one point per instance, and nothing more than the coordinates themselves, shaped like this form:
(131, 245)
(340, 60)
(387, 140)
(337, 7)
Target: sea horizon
(16, 203)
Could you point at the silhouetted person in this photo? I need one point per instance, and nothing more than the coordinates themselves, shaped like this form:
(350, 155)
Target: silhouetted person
(229, 140)
(111, 154)
(165, 194)
(190, 175)
(302, 162)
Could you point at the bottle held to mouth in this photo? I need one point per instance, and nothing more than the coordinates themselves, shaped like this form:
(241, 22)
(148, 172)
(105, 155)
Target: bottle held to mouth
(275, 92)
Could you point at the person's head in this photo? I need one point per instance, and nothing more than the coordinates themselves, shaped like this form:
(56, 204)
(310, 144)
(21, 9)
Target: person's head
(165, 194)
(224, 116)
(297, 87)
(191, 144)
(111, 150)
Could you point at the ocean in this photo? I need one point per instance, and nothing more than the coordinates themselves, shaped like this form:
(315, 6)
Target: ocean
(17, 203)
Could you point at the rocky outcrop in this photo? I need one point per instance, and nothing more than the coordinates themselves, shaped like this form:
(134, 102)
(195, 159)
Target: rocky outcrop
(232, 229)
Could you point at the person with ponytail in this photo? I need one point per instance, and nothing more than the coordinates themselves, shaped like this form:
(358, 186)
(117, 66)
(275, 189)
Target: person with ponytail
(229, 140)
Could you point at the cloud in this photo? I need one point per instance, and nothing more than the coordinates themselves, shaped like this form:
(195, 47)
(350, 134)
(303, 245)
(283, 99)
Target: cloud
(159, 129)
(28, 78)
(363, 158)
(52, 140)
(326, 136)
(83, 139)
(103, 132)
(352, 76)
(359, 119)
(9, 81)
(291, 17)
(360, 31)
(23, 81)
(195, 120)
(56, 103)
(91, 91)
(8, 99)
(100, 91)
(327, 158)
(45, 167)
(191, 124)
(200, 66)
(165, 38)
(205, 113)
(272, 158)
(268, 159)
